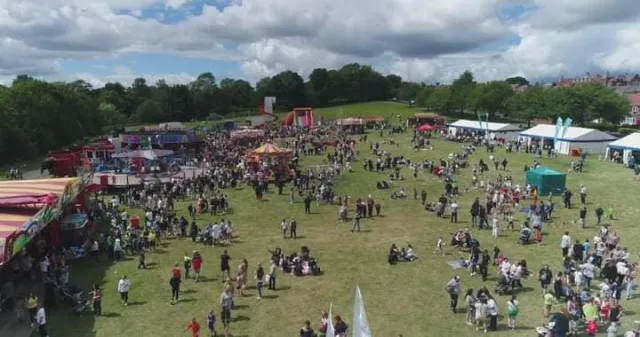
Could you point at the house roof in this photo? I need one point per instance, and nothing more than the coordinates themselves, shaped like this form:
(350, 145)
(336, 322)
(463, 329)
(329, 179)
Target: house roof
(13, 218)
(573, 134)
(491, 126)
(629, 142)
(30, 192)
(634, 100)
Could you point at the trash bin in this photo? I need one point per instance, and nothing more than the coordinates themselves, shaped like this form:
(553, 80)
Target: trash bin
(135, 222)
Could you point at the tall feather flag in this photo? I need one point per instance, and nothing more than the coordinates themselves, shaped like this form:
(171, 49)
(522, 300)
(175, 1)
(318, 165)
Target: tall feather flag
(567, 125)
(558, 127)
(360, 323)
(330, 330)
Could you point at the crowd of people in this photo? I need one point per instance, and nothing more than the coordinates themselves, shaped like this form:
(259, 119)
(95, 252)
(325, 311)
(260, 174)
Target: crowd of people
(570, 290)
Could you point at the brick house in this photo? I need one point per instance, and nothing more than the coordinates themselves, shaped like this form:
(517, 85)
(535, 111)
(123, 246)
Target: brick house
(634, 102)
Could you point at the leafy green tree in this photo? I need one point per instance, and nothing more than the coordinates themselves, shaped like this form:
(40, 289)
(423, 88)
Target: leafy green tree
(461, 90)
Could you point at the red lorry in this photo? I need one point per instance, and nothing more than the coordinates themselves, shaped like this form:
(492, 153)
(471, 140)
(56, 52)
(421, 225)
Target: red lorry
(61, 163)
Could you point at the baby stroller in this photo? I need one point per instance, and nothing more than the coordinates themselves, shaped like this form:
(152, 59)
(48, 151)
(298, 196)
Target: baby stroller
(504, 284)
(525, 237)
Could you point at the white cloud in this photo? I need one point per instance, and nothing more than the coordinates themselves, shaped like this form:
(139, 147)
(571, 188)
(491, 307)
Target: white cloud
(126, 76)
(418, 39)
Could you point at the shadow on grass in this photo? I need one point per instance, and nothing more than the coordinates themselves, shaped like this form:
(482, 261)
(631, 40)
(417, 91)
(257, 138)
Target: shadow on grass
(240, 307)
(241, 318)
(188, 291)
(206, 279)
(111, 314)
(270, 297)
(135, 303)
(186, 300)
(283, 288)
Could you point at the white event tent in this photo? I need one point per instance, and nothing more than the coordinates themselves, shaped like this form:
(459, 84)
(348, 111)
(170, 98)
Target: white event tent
(627, 144)
(495, 130)
(588, 140)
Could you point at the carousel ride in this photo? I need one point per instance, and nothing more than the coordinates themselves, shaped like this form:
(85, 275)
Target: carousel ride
(269, 161)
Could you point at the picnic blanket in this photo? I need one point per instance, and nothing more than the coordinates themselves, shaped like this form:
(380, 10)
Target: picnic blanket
(458, 264)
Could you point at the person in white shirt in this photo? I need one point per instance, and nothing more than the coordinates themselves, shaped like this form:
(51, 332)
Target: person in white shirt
(44, 267)
(495, 228)
(41, 319)
(117, 249)
(565, 244)
(454, 212)
(492, 310)
(284, 226)
(123, 289)
(124, 216)
(115, 203)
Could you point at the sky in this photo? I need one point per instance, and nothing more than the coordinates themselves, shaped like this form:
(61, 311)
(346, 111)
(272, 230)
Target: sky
(102, 41)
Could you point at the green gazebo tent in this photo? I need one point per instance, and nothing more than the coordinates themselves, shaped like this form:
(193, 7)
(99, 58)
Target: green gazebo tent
(547, 181)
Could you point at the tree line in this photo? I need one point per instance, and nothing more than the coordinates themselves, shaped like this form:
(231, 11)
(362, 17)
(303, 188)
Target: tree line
(38, 116)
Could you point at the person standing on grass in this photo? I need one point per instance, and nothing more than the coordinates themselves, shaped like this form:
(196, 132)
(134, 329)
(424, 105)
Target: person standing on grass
(31, 303)
(306, 330)
(123, 289)
(492, 310)
(194, 327)
(259, 275)
(141, 258)
(41, 320)
(211, 323)
(453, 289)
(187, 264)
(226, 300)
(565, 244)
(284, 227)
(224, 265)
(97, 300)
(175, 284)
(95, 250)
(293, 227)
(272, 275)
(196, 263)
(454, 212)
(512, 312)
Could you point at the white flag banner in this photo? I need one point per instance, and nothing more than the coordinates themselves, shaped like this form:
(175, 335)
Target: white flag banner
(360, 323)
(330, 330)
(268, 104)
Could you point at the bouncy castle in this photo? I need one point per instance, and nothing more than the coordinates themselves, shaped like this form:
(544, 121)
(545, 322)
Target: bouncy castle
(302, 117)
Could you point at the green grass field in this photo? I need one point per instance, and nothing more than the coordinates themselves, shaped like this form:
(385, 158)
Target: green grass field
(407, 298)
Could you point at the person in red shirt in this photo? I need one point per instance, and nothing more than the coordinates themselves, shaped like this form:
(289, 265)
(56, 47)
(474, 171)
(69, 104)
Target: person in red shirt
(176, 272)
(175, 283)
(97, 300)
(194, 327)
(196, 263)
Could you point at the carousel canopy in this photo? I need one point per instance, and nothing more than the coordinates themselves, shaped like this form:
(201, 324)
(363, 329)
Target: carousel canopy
(145, 154)
(269, 149)
(425, 128)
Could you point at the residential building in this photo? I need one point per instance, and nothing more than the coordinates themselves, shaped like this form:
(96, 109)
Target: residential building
(634, 102)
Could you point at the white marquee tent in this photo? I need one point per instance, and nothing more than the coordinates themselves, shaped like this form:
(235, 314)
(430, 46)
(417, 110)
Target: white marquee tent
(495, 130)
(627, 144)
(589, 140)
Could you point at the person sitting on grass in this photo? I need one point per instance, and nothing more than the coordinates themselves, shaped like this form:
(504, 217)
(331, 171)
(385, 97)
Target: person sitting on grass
(394, 254)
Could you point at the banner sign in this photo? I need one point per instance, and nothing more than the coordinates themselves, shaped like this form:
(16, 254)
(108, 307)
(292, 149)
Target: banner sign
(558, 127)
(268, 104)
(30, 229)
(168, 138)
(567, 125)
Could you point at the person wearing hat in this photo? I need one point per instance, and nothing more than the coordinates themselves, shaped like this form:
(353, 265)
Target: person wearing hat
(453, 289)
